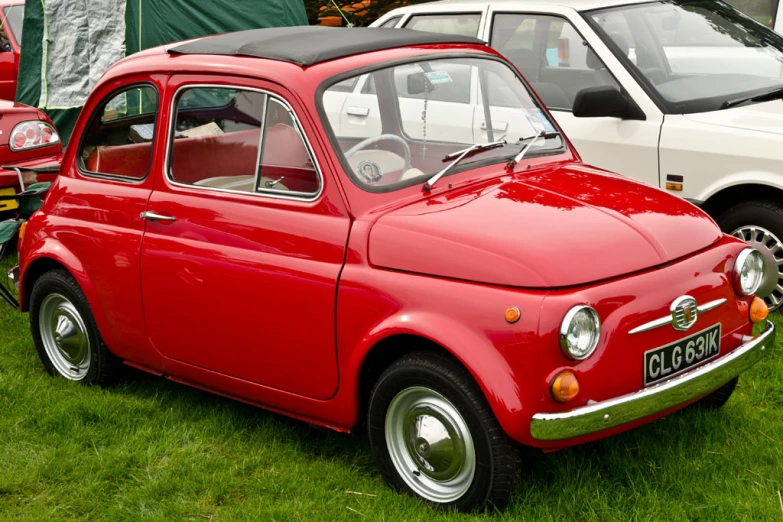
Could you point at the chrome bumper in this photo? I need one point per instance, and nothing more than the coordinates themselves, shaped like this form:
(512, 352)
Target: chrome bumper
(649, 401)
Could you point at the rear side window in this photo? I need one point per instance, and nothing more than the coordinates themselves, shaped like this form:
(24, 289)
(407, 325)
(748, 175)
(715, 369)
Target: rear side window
(391, 23)
(240, 141)
(465, 24)
(118, 139)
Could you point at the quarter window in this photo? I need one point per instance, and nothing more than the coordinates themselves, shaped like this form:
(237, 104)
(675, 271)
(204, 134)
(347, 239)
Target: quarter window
(391, 23)
(465, 24)
(240, 141)
(118, 140)
(551, 55)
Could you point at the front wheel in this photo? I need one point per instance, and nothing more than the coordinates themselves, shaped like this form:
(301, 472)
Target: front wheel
(65, 334)
(760, 225)
(435, 437)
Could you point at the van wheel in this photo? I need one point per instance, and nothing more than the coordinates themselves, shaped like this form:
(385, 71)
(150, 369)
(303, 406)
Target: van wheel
(760, 225)
(716, 399)
(65, 334)
(435, 437)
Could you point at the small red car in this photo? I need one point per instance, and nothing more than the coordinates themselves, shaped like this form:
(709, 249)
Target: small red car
(11, 21)
(286, 217)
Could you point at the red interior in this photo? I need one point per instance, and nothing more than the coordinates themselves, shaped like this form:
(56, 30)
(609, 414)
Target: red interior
(230, 154)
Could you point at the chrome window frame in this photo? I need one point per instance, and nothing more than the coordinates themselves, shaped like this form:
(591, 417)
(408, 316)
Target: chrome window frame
(267, 193)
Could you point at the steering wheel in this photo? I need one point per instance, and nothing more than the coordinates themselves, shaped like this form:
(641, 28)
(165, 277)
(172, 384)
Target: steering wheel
(376, 139)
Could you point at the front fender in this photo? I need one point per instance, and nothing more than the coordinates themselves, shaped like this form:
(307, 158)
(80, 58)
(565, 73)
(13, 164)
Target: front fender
(466, 320)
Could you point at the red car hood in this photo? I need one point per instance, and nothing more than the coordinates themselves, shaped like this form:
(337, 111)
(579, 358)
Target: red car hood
(552, 228)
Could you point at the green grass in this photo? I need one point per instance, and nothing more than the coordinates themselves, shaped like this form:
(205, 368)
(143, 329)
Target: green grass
(149, 449)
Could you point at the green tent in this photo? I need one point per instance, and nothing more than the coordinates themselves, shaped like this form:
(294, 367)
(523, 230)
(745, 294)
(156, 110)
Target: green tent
(68, 44)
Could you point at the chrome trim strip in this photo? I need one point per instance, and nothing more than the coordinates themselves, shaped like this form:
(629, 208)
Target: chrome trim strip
(271, 194)
(663, 321)
(655, 399)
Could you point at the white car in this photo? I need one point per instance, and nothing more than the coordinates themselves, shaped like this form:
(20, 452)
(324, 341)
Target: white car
(684, 95)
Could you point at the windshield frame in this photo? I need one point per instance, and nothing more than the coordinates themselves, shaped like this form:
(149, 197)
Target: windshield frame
(462, 167)
(12, 28)
(690, 106)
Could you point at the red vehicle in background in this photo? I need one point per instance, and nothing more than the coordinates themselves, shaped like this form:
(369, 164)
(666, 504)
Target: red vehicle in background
(11, 16)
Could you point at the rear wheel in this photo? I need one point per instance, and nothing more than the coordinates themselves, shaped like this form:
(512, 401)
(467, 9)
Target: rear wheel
(65, 333)
(716, 399)
(760, 225)
(435, 437)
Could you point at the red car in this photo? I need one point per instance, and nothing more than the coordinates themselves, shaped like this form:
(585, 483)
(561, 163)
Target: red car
(232, 215)
(11, 19)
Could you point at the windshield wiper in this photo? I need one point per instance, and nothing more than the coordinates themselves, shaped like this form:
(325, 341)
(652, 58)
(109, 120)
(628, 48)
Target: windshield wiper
(534, 138)
(767, 96)
(460, 155)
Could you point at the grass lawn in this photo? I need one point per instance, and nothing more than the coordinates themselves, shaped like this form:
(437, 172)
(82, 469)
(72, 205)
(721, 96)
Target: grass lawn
(149, 449)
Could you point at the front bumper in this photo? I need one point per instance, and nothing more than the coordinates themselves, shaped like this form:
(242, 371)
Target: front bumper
(655, 399)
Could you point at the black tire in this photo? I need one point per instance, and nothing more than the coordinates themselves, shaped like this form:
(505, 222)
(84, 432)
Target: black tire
(497, 459)
(716, 399)
(767, 215)
(97, 366)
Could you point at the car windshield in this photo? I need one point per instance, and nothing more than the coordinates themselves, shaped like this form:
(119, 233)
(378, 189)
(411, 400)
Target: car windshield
(694, 55)
(398, 126)
(14, 16)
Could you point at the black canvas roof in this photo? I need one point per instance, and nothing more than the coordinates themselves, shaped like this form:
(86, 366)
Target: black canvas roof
(306, 46)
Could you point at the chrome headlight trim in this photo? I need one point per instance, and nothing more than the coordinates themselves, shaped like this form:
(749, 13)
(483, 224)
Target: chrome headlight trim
(565, 326)
(749, 254)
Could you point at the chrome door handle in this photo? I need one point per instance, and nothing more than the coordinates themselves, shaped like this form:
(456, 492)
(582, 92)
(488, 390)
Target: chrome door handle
(361, 112)
(152, 216)
(496, 126)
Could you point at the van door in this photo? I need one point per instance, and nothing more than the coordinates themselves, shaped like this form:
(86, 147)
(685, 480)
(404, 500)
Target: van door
(558, 62)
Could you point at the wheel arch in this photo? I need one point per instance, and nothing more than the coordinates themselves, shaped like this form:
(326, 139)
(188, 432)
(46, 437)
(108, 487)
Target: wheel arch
(486, 365)
(48, 254)
(723, 199)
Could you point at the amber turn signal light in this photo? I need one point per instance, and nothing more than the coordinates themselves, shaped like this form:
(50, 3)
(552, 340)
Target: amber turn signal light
(674, 186)
(758, 310)
(513, 314)
(564, 387)
(22, 228)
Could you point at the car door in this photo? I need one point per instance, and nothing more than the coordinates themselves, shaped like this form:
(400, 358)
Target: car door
(245, 240)
(559, 56)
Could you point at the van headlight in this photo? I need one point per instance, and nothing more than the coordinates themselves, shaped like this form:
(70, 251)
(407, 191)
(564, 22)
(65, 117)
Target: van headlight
(748, 271)
(580, 332)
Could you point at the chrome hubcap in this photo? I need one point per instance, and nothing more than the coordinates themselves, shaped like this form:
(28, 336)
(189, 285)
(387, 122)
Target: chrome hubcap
(771, 248)
(430, 444)
(64, 337)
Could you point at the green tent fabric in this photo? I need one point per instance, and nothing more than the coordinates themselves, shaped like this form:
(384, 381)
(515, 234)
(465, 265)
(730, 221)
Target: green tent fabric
(65, 41)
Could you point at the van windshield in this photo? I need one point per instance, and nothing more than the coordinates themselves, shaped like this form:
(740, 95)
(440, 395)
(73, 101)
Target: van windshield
(694, 55)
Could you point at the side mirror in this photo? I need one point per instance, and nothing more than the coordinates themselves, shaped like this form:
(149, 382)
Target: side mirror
(606, 101)
(417, 83)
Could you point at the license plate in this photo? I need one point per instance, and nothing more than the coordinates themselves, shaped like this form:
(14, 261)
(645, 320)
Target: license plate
(667, 361)
(8, 204)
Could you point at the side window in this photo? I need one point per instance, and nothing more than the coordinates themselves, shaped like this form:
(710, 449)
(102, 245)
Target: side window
(391, 23)
(465, 24)
(241, 141)
(551, 55)
(118, 139)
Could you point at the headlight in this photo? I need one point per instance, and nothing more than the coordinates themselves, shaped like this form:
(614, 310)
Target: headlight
(32, 134)
(748, 271)
(579, 332)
